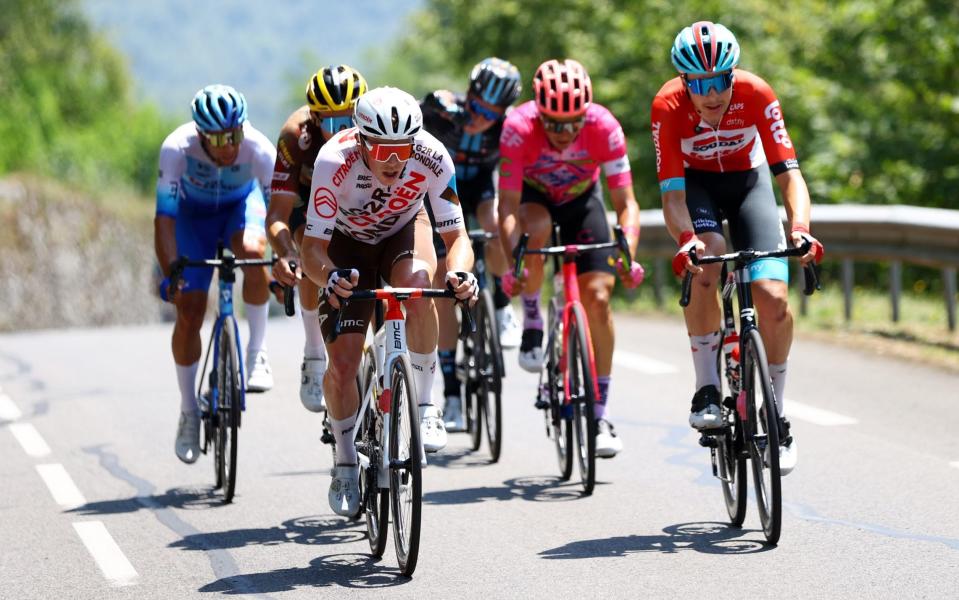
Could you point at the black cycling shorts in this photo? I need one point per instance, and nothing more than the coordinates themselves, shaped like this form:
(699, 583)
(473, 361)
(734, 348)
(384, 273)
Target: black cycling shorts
(581, 220)
(471, 193)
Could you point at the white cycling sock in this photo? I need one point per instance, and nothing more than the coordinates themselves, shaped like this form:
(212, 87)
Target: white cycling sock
(343, 434)
(705, 349)
(256, 315)
(778, 375)
(424, 368)
(186, 378)
(314, 346)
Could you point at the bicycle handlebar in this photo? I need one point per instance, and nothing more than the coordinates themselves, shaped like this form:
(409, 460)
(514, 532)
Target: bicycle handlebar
(619, 242)
(227, 263)
(811, 271)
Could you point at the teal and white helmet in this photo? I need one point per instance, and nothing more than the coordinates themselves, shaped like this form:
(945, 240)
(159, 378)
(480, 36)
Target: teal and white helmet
(705, 47)
(218, 108)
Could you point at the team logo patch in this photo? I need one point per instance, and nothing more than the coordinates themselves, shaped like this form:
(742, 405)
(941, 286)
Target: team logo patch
(324, 203)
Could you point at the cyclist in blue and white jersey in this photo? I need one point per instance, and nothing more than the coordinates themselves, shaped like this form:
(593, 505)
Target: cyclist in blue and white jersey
(213, 185)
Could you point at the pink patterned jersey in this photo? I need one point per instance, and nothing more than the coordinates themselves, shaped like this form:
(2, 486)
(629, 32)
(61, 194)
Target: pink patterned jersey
(527, 155)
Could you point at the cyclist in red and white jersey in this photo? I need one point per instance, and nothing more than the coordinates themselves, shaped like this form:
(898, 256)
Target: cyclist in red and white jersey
(367, 213)
(552, 149)
(718, 131)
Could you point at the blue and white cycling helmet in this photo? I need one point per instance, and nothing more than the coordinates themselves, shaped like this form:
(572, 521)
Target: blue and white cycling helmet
(218, 108)
(495, 81)
(705, 47)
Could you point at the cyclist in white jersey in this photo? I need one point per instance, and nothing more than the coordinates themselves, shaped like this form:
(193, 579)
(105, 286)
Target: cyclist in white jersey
(367, 213)
(213, 185)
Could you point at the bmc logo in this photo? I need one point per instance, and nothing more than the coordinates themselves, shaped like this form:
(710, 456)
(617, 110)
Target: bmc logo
(778, 125)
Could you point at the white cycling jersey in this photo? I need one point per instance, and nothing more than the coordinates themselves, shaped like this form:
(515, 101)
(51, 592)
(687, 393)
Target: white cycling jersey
(346, 196)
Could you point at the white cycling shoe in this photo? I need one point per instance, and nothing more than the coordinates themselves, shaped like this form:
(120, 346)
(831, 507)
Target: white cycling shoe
(453, 416)
(311, 384)
(259, 374)
(510, 331)
(705, 412)
(531, 351)
(608, 443)
(188, 437)
(344, 495)
(432, 428)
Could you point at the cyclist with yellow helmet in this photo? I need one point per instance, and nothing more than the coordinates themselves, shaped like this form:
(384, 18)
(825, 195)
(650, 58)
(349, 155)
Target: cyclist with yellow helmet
(331, 95)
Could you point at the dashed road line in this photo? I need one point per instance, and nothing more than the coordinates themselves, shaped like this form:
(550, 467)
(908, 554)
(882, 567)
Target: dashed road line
(643, 364)
(817, 416)
(30, 439)
(61, 486)
(8, 410)
(105, 551)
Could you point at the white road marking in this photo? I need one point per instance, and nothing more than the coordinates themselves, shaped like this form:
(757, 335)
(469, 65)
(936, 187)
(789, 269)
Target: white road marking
(817, 416)
(643, 364)
(30, 439)
(61, 486)
(8, 410)
(111, 560)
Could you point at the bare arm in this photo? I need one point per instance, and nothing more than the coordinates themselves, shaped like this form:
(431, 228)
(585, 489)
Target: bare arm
(316, 260)
(509, 230)
(278, 223)
(795, 197)
(676, 214)
(459, 250)
(627, 214)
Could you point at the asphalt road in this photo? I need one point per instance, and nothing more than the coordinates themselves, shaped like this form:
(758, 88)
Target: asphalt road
(94, 504)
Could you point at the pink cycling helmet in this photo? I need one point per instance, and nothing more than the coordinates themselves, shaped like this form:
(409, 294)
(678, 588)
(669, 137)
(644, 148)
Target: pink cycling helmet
(562, 89)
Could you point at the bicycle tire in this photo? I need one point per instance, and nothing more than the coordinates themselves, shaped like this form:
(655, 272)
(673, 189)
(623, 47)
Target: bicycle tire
(375, 504)
(764, 443)
(582, 386)
(471, 394)
(406, 477)
(489, 374)
(228, 418)
(730, 452)
(559, 422)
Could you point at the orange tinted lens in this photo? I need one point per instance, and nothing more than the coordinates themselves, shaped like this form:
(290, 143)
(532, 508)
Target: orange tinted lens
(383, 152)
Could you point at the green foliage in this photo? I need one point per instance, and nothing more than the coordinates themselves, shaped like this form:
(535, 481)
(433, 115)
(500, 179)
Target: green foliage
(66, 109)
(869, 87)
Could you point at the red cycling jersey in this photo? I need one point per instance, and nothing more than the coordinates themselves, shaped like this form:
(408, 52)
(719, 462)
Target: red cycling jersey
(751, 132)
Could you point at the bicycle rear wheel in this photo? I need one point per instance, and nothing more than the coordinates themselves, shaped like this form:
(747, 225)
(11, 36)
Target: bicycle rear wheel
(406, 477)
(560, 420)
(228, 409)
(732, 466)
(764, 443)
(489, 373)
(582, 392)
(471, 394)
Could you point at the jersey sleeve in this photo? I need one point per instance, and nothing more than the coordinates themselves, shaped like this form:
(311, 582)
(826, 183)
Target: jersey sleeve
(511, 148)
(444, 199)
(611, 150)
(666, 142)
(777, 144)
(285, 174)
(172, 167)
(323, 207)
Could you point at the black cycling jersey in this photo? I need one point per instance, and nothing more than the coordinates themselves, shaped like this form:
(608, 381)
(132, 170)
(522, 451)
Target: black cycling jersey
(473, 154)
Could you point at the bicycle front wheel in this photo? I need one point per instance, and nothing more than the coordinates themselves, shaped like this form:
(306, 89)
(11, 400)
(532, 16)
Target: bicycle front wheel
(489, 373)
(732, 466)
(560, 420)
(582, 391)
(228, 409)
(764, 444)
(472, 402)
(406, 477)
(375, 502)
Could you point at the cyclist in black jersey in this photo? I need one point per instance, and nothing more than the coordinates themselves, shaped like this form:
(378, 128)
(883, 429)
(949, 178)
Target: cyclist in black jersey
(469, 125)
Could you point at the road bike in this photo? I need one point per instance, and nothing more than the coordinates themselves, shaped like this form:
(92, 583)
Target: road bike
(224, 400)
(480, 364)
(387, 436)
(568, 389)
(751, 427)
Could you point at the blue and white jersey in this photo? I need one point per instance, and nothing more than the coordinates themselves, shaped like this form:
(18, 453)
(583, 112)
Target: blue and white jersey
(190, 180)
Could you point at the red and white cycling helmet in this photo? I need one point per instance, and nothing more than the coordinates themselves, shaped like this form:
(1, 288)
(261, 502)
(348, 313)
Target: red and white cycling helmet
(562, 89)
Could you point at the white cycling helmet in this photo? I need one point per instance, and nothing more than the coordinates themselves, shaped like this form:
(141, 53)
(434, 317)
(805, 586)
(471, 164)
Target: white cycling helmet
(388, 113)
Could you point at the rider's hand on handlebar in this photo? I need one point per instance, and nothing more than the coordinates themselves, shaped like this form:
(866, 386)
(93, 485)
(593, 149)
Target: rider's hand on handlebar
(681, 263)
(800, 234)
(282, 272)
(631, 277)
(512, 285)
(339, 285)
(464, 288)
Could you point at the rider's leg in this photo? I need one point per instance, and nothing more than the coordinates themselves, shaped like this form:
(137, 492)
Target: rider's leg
(536, 221)
(187, 347)
(342, 398)
(776, 328)
(497, 265)
(595, 289)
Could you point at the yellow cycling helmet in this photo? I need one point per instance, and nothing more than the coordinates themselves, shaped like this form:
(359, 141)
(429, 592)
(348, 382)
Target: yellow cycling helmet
(334, 88)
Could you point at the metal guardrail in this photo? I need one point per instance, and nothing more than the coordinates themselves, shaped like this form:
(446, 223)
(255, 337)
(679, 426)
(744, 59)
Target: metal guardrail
(852, 232)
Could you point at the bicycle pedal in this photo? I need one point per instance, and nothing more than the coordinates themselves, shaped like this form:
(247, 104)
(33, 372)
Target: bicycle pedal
(541, 404)
(707, 441)
(729, 402)
(327, 437)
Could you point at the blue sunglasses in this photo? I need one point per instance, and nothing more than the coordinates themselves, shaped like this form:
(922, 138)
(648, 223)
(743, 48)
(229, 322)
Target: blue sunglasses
(336, 124)
(720, 83)
(478, 109)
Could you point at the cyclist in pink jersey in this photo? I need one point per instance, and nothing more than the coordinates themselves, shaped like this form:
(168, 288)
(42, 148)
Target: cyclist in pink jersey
(552, 150)
(718, 132)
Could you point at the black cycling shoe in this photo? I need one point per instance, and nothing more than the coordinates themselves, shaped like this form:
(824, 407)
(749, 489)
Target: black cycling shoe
(705, 412)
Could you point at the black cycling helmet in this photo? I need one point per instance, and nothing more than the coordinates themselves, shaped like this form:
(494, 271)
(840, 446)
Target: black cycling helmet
(495, 81)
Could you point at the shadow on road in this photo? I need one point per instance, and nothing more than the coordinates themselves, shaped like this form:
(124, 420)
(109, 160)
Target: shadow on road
(304, 530)
(184, 498)
(460, 458)
(345, 570)
(533, 489)
(707, 538)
